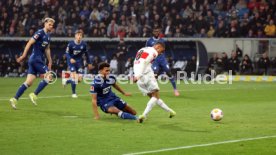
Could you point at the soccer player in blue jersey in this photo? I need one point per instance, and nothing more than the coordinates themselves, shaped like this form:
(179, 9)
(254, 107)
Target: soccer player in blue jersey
(41, 47)
(103, 96)
(74, 52)
(160, 64)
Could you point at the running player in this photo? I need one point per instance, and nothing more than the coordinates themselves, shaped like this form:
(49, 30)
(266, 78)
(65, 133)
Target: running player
(41, 47)
(74, 52)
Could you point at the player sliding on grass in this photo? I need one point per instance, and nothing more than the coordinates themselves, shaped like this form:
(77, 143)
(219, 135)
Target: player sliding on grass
(74, 52)
(41, 47)
(103, 96)
(144, 76)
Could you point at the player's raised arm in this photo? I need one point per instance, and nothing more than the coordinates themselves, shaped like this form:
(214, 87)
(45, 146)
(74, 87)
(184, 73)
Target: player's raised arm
(117, 87)
(95, 107)
(48, 55)
(27, 48)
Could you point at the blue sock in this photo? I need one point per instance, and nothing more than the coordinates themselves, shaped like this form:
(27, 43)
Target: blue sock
(125, 115)
(69, 81)
(73, 85)
(21, 90)
(173, 82)
(40, 87)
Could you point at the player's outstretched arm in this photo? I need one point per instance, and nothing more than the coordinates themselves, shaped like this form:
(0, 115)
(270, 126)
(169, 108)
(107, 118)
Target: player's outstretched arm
(48, 55)
(117, 87)
(95, 107)
(27, 48)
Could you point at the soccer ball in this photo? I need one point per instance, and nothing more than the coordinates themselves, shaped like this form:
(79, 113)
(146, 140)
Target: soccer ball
(216, 114)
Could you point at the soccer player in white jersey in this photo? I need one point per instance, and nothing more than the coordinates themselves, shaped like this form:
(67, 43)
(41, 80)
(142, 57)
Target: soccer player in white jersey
(144, 76)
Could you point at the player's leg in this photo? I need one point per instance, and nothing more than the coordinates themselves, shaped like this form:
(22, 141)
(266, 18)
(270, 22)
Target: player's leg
(116, 107)
(73, 79)
(164, 67)
(41, 69)
(163, 105)
(77, 77)
(120, 113)
(149, 85)
(126, 112)
(29, 81)
(130, 110)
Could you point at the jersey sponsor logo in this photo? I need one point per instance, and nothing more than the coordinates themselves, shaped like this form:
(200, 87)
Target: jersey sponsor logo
(76, 52)
(44, 44)
(106, 90)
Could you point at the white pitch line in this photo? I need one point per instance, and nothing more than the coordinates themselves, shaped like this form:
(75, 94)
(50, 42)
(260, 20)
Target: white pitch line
(201, 145)
(70, 116)
(191, 90)
(186, 90)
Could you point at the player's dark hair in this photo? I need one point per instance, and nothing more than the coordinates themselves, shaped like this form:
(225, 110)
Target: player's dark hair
(102, 65)
(160, 43)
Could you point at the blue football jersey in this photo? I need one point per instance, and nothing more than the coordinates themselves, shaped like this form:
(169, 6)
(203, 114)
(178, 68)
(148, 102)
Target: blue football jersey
(42, 40)
(102, 87)
(76, 51)
(151, 41)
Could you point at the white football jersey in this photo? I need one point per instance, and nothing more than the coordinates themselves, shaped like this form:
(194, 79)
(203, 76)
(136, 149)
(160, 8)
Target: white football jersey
(143, 60)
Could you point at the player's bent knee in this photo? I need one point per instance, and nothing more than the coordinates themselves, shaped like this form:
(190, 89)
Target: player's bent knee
(155, 94)
(133, 112)
(28, 83)
(130, 110)
(113, 110)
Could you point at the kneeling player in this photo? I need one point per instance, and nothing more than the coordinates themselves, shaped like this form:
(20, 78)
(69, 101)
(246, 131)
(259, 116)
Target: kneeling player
(103, 96)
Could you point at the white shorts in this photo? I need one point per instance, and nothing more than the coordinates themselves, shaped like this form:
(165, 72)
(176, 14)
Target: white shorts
(147, 83)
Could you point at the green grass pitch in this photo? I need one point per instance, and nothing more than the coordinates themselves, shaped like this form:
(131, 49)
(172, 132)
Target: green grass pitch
(62, 125)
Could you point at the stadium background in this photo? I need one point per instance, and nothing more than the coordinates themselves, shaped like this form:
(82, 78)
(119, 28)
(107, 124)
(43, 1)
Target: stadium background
(61, 125)
(248, 24)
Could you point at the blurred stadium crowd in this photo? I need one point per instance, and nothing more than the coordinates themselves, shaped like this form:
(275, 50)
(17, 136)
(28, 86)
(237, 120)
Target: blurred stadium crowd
(136, 18)
(220, 63)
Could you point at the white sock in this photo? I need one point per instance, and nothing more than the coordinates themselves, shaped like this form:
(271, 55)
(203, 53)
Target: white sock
(120, 114)
(150, 105)
(163, 105)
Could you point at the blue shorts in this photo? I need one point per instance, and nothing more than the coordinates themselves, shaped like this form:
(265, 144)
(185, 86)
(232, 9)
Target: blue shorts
(76, 67)
(37, 67)
(117, 102)
(160, 65)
